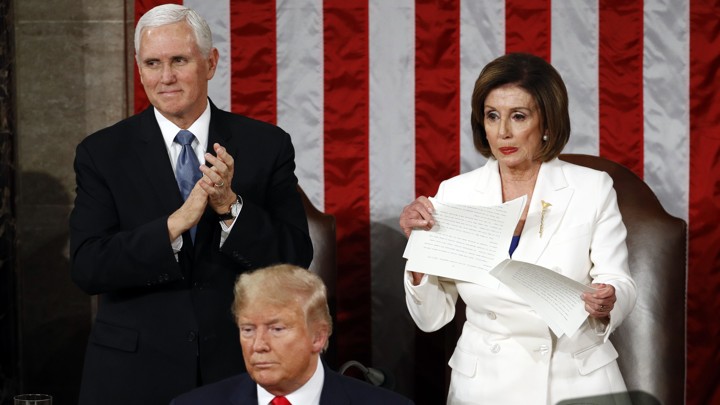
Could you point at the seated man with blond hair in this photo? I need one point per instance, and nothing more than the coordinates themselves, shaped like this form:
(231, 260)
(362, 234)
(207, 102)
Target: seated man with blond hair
(285, 324)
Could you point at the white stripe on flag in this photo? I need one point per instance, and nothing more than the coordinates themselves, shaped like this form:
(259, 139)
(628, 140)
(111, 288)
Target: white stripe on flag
(666, 103)
(217, 15)
(392, 109)
(300, 102)
(575, 55)
(392, 175)
(482, 39)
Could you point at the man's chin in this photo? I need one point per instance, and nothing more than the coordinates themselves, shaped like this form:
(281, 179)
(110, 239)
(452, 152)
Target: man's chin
(170, 111)
(266, 378)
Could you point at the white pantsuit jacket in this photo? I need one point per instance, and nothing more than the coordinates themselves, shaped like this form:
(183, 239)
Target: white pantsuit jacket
(506, 353)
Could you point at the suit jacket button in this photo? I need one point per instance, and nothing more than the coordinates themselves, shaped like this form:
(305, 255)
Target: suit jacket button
(495, 348)
(191, 336)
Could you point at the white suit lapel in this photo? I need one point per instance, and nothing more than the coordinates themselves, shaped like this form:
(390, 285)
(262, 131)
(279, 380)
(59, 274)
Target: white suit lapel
(551, 187)
(487, 191)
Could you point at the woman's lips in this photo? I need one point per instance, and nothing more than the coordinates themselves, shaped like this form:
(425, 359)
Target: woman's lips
(508, 150)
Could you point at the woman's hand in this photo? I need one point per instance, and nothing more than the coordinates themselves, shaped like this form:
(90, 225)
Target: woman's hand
(599, 303)
(417, 214)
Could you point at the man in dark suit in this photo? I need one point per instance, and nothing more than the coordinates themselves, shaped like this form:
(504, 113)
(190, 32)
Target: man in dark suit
(163, 225)
(284, 321)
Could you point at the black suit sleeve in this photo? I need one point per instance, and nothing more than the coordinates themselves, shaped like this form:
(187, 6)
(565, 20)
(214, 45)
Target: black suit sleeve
(272, 226)
(107, 252)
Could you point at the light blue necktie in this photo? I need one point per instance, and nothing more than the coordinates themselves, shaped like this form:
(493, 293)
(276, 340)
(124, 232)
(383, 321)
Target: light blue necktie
(187, 169)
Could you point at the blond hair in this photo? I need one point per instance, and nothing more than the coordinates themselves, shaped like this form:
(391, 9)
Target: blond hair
(281, 286)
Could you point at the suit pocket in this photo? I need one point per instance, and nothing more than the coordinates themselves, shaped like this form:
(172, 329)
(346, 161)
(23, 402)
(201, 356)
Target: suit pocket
(463, 362)
(115, 337)
(594, 357)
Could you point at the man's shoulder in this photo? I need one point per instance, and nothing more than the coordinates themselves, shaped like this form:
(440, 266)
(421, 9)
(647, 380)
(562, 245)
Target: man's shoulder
(250, 126)
(358, 392)
(119, 131)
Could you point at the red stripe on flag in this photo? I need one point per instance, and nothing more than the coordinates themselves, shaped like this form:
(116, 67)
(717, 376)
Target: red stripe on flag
(703, 329)
(253, 60)
(141, 7)
(621, 83)
(437, 94)
(347, 172)
(528, 27)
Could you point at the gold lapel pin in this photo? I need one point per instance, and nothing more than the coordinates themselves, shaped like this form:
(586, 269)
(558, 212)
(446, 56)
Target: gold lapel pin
(545, 206)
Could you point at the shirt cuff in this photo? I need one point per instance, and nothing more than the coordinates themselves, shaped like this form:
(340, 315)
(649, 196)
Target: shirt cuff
(176, 246)
(225, 230)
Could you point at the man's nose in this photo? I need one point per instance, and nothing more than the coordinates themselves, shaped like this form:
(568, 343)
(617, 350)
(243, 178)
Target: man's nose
(168, 75)
(260, 343)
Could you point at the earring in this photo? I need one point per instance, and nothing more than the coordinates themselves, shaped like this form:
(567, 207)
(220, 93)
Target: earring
(545, 137)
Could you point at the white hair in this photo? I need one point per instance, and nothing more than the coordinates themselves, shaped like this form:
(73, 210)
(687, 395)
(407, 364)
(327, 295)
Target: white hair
(173, 13)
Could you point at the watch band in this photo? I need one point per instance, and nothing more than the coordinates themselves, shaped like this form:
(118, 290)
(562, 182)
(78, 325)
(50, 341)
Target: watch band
(234, 210)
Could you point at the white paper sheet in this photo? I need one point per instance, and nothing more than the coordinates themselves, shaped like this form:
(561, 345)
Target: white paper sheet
(466, 241)
(554, 297)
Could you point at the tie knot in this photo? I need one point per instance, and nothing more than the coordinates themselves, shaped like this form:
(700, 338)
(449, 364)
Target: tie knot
(184, 137)
(280, 401)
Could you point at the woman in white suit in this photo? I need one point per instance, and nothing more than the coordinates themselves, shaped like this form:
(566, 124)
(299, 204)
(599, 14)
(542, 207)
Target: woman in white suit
(507, 354)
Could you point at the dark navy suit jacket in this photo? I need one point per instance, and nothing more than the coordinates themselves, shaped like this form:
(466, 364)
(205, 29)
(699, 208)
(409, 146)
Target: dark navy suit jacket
(160, 320)
(337, 390)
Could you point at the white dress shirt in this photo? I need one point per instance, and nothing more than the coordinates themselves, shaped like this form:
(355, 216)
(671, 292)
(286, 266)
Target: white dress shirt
(308, 394)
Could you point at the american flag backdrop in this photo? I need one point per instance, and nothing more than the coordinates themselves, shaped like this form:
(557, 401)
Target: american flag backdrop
(376, 95)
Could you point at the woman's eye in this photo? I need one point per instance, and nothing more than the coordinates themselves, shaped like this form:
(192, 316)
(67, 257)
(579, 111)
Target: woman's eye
(518, 117)
(491, 115)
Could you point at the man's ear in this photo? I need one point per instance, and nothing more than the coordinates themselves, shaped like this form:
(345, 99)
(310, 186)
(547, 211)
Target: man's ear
(213, 62)
(139, 67)
(320, 337)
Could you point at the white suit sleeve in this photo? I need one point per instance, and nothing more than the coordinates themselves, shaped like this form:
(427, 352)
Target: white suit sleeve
(609, 255)
(432, 302)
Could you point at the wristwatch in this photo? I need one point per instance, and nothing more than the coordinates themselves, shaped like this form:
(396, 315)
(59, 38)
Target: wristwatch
(234, 210)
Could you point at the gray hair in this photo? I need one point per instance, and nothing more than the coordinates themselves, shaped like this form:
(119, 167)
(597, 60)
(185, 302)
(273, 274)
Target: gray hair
(173, 13)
